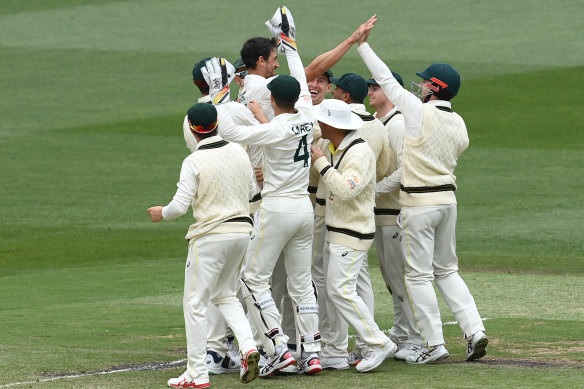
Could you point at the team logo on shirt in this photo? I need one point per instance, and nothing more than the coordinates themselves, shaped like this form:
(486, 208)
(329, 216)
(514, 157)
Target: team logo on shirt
(353, 181)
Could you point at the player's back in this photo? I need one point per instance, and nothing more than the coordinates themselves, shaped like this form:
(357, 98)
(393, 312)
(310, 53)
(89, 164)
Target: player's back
(287, 162)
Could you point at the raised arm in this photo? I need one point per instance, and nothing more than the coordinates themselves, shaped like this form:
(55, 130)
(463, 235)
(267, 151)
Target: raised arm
(409, 105)
(327, 60)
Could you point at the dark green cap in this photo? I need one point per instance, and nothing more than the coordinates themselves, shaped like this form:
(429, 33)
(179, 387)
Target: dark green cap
(329, 74)
(285, 88)
(197, 75)
(202, 117)
(353, 84)
(399, 79)
(239, 65)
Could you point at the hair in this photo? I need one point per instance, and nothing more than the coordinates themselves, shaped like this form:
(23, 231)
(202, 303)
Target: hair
(287, 105)
(206, 135)
(354, 100)
(255, 48)
(203, 87)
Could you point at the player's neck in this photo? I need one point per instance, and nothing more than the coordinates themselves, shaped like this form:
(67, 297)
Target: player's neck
(384, 109)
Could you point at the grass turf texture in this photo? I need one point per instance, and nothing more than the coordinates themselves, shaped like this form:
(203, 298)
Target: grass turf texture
(94, 97)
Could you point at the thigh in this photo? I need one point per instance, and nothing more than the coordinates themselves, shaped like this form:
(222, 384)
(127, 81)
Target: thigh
(445, 259)
(266, 243)
(298, 254)
(234, 250)
(417, 224)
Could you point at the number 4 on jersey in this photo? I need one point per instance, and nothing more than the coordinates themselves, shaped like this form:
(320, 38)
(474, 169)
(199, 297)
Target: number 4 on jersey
(305, 155)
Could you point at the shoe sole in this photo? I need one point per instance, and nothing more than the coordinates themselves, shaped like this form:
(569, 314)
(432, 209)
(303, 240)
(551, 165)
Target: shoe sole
(311, 370)
(480, 350)
(253, 368)
(346, 367)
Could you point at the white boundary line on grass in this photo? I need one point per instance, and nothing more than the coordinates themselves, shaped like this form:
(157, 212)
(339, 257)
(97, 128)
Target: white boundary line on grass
(154, 366)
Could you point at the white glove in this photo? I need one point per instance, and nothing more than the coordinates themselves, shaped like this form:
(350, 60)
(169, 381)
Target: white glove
(218, 74)
(281, 25)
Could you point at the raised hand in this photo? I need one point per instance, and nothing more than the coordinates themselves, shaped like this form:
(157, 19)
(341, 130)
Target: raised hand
(218, 74)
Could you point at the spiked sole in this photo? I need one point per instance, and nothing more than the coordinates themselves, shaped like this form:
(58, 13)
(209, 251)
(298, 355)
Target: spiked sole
(480, 350)
(253, 368)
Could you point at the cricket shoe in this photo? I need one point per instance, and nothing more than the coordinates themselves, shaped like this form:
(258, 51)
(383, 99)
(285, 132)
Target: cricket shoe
(279, 361)
(334, 363)
(233, 349)
(290, 369)
(428, 355)
(309, 365)
(374, 357)
(477, 346)
(250, 368)
(186, 381)
(220, 365)
(354, 357)
(407, 349)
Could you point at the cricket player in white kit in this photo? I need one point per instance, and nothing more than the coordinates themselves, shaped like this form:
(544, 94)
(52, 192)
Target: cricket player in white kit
(350, 183)
(387, 232)
(435, 138)
(217, 181)
(284, 221)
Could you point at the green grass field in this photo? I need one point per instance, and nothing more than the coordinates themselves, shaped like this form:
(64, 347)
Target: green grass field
(92, 103)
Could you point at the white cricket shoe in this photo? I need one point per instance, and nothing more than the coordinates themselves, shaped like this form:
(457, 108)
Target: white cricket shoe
(334, 363)
(477, 346)
(221, 365)
(249, 366)
(186, 381)
(354, 357)
(407, 349)
(428, 355)
(309, 365)
(233, 350)
(374, 357)
(279, 361)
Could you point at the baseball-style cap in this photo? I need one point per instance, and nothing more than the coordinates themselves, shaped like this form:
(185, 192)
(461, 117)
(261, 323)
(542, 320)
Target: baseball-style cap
(239, 65)
(202, 118)
(337, 113)
(285, 88)
(372, 81)
(197, 75)
(353, 84)
(329, 74)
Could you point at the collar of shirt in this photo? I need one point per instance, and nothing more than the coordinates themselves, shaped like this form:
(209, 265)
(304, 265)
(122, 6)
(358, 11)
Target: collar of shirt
(382, 118)
(209, 140)
(352, 135)
(356, 107)
(204, 99)
(440, 103)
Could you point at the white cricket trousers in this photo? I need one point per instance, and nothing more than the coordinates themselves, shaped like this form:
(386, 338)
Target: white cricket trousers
(391, 262)
(429, 246)
(282, 225)
(344, 266)
(319, 272)
(211, 275)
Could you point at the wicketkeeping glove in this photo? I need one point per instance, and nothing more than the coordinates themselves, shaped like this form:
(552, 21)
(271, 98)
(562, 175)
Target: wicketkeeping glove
(281, 25)
(218, 74)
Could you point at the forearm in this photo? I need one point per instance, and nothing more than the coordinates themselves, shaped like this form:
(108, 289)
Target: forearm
(408, 104)
(186, 190)
(327, 60)
(297, 71)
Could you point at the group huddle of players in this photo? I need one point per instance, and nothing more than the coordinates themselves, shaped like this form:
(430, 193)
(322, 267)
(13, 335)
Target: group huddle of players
(289, 191)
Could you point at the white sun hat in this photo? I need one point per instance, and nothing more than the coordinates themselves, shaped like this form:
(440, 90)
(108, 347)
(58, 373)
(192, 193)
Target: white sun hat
(337, 113)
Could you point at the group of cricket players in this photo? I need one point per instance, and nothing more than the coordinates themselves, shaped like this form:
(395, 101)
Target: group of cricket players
(290, 189)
